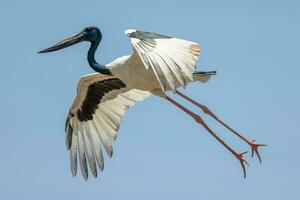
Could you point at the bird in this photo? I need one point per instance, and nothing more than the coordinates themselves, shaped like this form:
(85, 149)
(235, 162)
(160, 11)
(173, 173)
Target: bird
(157, 65)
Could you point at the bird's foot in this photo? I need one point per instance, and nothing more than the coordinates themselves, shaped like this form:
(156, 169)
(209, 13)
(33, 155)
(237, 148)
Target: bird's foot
(240, 157)
(254, 149)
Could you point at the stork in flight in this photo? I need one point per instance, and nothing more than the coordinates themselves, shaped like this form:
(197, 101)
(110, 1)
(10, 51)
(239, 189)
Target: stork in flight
(158, 64)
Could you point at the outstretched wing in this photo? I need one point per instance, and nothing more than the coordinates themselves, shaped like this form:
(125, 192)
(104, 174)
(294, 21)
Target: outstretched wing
(94, 119)
(172, 60)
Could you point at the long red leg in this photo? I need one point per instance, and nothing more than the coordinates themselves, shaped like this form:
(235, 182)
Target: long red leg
(254, 146)
(199, 120)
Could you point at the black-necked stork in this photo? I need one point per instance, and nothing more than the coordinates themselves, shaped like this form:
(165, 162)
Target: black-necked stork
(158, 64)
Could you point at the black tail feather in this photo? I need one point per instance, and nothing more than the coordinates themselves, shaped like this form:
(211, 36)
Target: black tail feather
(206, 73)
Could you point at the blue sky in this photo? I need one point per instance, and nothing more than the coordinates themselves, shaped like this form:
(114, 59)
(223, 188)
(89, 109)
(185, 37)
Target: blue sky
(160, 152)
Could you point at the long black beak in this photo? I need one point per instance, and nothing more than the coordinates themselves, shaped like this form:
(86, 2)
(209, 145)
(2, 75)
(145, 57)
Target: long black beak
(65, 43)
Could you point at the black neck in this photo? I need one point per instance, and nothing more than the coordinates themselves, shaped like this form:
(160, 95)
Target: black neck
(92, 62)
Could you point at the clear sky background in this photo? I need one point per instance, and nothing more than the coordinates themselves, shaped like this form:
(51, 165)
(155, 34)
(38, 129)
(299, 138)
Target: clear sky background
(160, 153)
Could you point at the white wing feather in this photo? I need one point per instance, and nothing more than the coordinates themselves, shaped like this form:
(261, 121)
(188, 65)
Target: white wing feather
(172, 60)
(87, 137)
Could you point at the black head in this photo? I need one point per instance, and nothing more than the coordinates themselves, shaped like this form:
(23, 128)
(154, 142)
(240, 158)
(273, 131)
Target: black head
(90, 34)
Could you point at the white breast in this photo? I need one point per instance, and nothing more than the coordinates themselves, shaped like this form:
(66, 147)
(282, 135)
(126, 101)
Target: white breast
(132, 72)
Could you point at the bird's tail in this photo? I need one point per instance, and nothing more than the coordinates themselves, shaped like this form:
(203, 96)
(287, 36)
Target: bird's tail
(203, 76)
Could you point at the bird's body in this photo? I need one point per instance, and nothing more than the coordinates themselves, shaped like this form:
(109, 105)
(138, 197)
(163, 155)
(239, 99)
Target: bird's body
(158, 64)
(131, 71)
(128, 69)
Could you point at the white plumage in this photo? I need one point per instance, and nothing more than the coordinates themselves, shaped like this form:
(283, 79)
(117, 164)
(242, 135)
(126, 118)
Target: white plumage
(158, 62)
